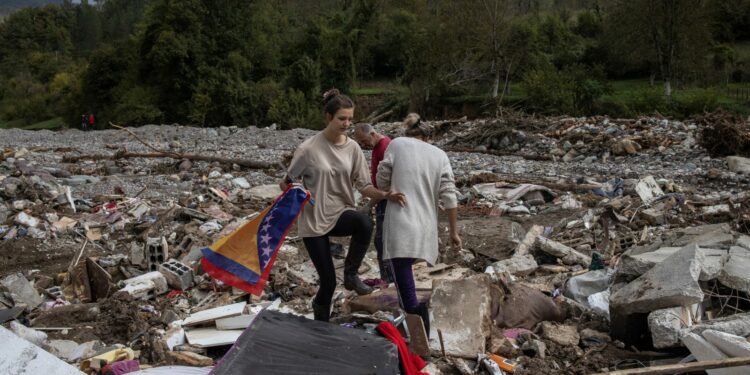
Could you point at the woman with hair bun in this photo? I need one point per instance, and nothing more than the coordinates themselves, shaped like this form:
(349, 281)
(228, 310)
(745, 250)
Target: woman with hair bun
(331, 166)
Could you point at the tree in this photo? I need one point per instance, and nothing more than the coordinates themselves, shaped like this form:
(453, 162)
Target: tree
(675, 31)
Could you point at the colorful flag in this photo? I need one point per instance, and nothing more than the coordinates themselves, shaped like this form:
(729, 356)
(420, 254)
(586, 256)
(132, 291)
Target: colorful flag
(244, 258)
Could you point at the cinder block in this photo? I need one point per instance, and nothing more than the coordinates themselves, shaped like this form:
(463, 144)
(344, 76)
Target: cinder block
(157, 252)
(178, 275)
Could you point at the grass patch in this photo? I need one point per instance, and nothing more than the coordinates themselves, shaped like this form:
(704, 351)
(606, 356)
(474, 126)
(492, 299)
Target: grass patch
(11, 124)
(51, 124)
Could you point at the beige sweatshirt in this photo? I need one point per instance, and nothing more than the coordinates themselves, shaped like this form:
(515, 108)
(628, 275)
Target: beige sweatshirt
(331, 173)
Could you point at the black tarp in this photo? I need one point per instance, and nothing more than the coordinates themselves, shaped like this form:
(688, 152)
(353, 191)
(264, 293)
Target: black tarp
(278, 343)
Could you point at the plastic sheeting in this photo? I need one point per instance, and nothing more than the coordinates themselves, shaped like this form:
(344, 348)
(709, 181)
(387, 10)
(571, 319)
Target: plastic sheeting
(277, 343)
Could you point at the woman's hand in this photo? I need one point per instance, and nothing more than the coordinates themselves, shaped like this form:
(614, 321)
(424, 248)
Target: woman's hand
(393, 196)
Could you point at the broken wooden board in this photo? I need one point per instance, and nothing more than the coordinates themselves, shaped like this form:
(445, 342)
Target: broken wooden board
(210, 337)
(235, 322)
(100, 281)
(211, 315)
(418, 342)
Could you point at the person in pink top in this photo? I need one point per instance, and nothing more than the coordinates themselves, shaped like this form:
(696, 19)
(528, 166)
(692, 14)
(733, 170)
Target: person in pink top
(370, 139)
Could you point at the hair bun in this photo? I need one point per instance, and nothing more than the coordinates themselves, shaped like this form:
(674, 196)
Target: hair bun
(330, 94)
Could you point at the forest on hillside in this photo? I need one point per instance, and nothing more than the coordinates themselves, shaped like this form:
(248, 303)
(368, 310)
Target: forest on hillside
(258, 62)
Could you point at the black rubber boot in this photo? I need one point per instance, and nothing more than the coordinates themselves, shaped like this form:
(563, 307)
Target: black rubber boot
(352, 282)
(423, 313)
(321, 312)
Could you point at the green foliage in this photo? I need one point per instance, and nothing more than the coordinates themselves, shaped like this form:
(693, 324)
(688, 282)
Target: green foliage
(292, 110)
(239, 62)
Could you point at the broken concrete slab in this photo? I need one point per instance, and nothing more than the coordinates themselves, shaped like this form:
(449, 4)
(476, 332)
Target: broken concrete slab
(22, 357)
(731, 345)
(744, 241)
(581, 287)
(63, 349)
(734, 273)
(145, 286)
(517, 265)
(648, 189)
(639, 264)
(210, 315)
(525, 246)
(567, 254)
(460, 310)
(666, 326)
(738, 324)
(674, 282)
(22, 291)
(705, 351)
(713, 261)
(738, 164)
(262, 192)
(561, 334)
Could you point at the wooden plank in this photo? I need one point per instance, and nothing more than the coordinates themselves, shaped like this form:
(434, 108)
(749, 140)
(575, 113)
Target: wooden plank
(683, 367)
(210, 337)
(418, 341)
(210, 315)
(235, 322)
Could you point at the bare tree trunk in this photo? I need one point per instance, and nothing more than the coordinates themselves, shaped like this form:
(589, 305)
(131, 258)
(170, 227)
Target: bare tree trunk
(667, 88)
(496, 84)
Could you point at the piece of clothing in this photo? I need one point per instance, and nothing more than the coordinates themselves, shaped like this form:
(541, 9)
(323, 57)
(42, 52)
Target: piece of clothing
(378, 152)
(423, 173)
(404, 279)
(350, 223)
(385, 274)
(331, 173)
(411, 363)
(91, 120)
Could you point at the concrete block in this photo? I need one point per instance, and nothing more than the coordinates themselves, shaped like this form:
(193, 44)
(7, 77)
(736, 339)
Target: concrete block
(731, 345)
(145, 286)
(734, 273)
(666, 326)
(639, 264)
(22, 357)
(518, 265)
(674, 282)
(567, 254)
(648, 189)
(717, 236)
(178, 275)
(22, 291)
(460, 309)
(705, 351)
(157, 252)
(262, 192)
(63, 349)
(137, 255)
(561, 334)
(529, 240)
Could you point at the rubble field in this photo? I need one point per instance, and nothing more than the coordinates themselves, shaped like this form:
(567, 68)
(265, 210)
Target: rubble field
(591, 245)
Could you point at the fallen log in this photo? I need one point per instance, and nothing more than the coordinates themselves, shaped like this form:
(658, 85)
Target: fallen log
(683, 367)
(124, 154)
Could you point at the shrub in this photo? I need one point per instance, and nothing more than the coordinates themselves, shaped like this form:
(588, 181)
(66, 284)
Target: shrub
(695, 101)
(292, 110)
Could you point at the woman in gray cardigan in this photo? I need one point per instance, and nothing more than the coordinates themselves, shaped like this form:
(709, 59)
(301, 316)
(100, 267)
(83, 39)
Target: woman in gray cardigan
(423, 173)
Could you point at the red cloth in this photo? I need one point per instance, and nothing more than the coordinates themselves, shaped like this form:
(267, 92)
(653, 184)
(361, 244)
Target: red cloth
(411, 362)
(91, 119)
(378, 153)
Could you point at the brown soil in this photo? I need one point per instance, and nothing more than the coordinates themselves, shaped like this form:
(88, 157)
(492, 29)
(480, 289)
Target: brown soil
(28, 253)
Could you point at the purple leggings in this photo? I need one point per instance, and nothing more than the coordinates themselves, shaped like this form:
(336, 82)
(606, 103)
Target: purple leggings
(405, 282)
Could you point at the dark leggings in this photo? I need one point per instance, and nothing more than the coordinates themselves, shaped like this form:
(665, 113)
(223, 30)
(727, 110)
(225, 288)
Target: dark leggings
(350, 223)
(385, 274)
(405, 282)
